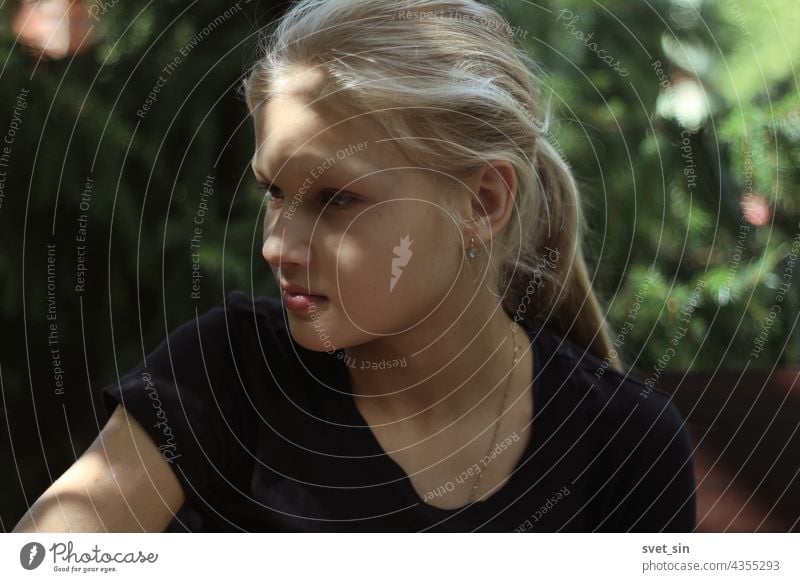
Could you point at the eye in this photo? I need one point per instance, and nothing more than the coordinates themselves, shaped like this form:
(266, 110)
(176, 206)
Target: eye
(331, 198)
(335, 195)
(273, 192)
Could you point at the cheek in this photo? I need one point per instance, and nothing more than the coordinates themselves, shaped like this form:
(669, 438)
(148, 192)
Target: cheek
(408, 263)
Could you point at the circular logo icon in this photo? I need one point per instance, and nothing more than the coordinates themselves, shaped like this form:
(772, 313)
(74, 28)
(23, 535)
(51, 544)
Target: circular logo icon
(31, 555)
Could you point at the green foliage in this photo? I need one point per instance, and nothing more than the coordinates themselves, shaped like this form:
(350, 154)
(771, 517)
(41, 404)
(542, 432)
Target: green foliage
(665, 194)
(147, 174)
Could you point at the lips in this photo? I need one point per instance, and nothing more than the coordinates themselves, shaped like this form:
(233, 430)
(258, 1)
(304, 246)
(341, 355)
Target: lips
(302, 303)
(297, 289)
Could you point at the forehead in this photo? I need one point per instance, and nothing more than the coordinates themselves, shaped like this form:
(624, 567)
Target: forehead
(294, 126)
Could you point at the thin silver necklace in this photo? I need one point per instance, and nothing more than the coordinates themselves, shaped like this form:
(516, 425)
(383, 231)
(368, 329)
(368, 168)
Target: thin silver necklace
(497, 423)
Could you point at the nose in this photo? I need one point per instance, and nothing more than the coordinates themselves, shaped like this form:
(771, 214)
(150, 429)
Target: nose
(284, 242)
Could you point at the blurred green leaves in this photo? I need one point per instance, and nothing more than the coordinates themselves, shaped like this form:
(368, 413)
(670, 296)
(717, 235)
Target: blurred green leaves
(674, 168)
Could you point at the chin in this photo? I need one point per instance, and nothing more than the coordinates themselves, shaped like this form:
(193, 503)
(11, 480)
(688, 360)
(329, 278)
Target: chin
(315, 338)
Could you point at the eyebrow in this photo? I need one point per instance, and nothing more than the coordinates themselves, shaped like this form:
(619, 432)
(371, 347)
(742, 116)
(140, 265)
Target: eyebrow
(258, 174)
(340, 165)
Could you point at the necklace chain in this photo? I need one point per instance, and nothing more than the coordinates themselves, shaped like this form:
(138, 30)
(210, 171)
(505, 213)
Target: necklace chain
(497, 423)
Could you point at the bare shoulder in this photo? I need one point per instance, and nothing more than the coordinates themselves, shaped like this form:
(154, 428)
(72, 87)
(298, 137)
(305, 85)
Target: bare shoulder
(121, 483)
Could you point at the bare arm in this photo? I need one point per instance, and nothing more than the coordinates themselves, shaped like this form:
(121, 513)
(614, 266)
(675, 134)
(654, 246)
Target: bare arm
(121, 483)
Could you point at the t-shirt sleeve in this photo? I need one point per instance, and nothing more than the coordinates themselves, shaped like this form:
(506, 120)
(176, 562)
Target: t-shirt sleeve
(658, 490)
(188, 396)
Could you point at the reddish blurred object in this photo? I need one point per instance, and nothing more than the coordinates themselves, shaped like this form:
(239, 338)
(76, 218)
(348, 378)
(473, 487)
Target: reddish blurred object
(756, 210)
(53, 28)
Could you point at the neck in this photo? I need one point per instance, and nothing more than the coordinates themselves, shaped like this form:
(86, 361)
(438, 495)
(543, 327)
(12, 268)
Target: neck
(442, 370)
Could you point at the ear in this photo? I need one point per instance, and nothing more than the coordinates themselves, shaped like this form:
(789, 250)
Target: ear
(494, 192)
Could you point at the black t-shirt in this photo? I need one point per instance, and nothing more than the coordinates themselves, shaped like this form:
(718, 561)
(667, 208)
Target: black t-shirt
(264, 435)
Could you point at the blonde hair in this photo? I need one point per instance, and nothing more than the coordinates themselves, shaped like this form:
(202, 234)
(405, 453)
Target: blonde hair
(446, 80)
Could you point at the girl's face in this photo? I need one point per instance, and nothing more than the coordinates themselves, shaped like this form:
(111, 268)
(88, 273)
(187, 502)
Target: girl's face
(347, 219)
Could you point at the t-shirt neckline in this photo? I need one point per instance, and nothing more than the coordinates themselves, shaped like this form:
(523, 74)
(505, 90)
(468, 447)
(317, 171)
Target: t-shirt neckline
(394, 470)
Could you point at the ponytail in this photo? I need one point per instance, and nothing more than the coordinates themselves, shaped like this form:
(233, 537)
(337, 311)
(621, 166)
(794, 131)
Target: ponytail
(551, 286)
